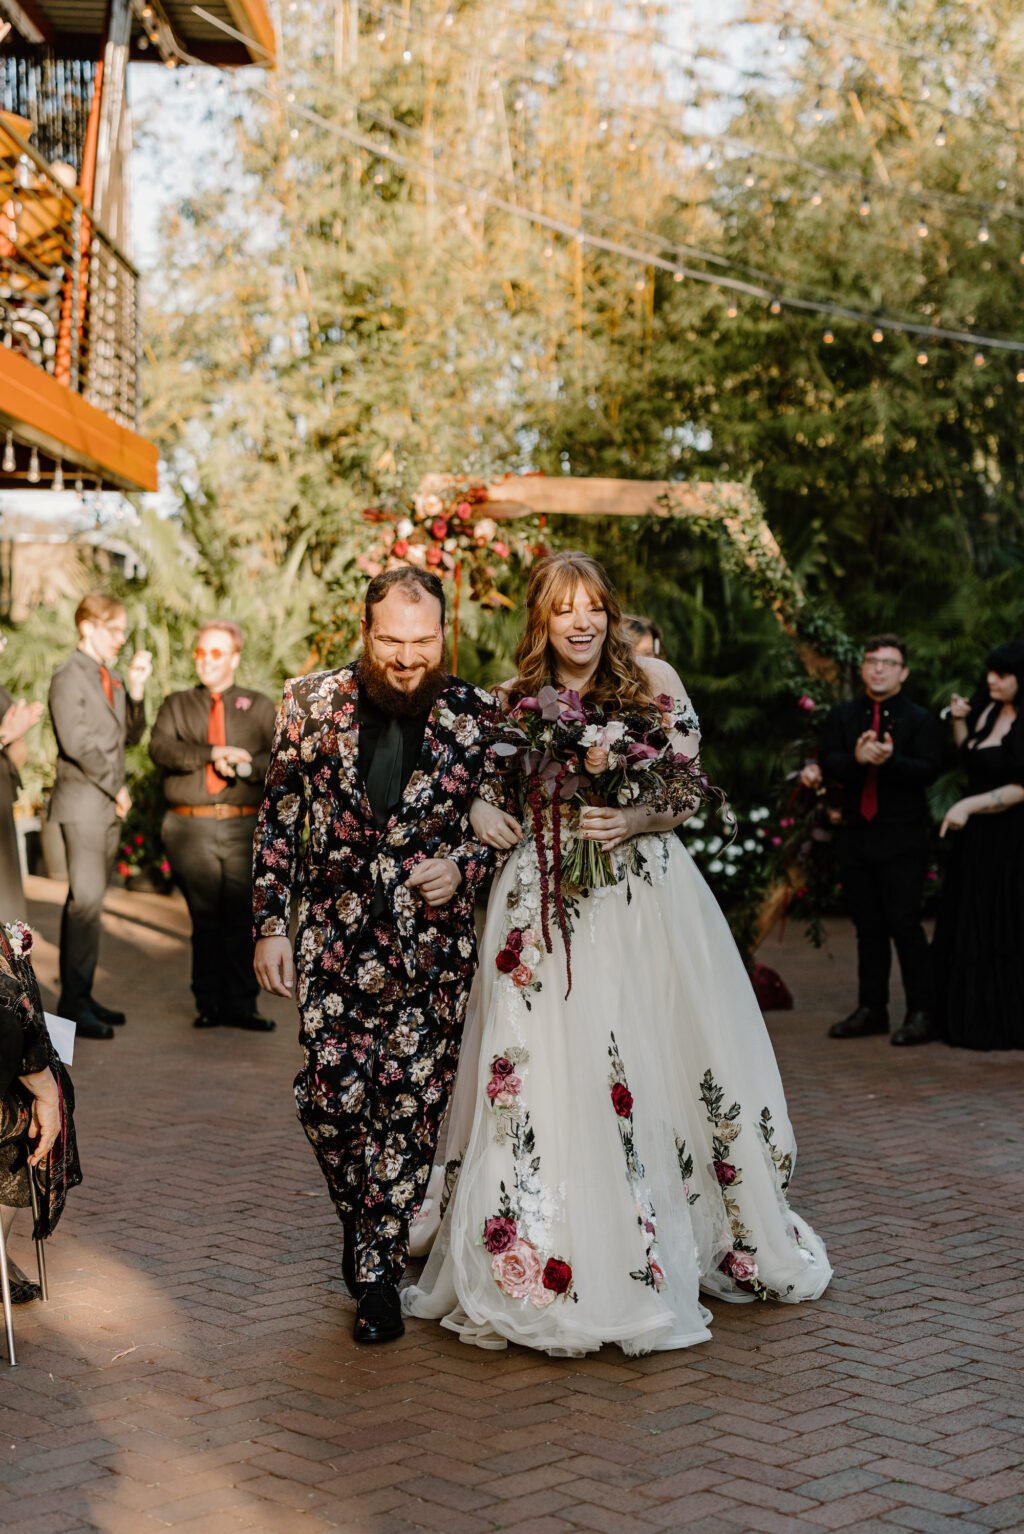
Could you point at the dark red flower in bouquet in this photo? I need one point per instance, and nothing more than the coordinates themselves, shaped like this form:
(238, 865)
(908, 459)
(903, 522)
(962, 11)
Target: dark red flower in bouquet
(622, 1100)
(439, 528)
(725, 1172)
(507, 961)
(557, 1275)
(499, 1233)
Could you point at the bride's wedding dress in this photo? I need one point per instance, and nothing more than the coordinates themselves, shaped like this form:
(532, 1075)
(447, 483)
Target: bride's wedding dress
(613, 1153)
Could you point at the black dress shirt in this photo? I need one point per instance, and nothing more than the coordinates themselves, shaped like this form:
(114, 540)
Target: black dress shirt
(373, 721)
(915, 761)
(179, 743)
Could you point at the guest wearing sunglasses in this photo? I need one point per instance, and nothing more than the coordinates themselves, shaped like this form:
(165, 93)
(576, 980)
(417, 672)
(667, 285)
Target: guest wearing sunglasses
(213, 742)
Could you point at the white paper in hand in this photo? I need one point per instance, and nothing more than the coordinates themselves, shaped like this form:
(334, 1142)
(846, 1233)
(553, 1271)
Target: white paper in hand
(62, 1036)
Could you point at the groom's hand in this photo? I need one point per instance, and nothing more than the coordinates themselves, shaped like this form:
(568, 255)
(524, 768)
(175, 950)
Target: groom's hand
(274, 966)
(437, 879)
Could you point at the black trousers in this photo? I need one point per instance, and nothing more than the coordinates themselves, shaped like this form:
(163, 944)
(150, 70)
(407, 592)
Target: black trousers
(91, 847)
(212, 861)
(882, 870)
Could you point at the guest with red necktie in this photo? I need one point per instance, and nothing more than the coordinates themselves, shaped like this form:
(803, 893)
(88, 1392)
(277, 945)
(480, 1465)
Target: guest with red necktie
(885, 750)
(94, 718)
(213, 742)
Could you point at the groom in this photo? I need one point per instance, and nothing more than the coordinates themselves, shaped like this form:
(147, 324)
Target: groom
(382, 759)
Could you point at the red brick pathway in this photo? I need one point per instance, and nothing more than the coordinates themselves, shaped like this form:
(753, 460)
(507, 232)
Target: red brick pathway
(194, 1369)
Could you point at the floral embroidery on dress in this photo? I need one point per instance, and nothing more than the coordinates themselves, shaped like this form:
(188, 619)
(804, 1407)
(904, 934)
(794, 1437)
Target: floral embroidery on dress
(781, 1160)
(514, 1236)
(739, 1264)
(524, 945)
(685, 1170)
(652, 1274)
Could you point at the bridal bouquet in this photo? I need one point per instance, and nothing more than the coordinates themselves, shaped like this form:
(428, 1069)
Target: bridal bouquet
(547, 738)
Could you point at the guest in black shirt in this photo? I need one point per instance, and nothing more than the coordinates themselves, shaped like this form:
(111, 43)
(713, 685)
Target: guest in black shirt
(214, 743)
(885, 750)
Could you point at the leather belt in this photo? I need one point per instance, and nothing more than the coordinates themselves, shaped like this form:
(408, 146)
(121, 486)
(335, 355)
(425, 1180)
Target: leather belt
(215, 811)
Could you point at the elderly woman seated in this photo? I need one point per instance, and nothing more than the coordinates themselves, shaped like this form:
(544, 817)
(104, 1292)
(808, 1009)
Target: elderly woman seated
(36, 1134)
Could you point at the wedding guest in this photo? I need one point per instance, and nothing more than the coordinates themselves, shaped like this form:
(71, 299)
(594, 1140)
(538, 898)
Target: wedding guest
(16, 719)
(884, 750)
(94, 719)
(642, 635)
(213, 742)
(979, 932)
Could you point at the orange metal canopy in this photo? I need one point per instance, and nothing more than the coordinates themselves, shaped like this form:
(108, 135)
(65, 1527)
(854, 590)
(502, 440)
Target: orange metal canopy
(44, 414)
(75, 28)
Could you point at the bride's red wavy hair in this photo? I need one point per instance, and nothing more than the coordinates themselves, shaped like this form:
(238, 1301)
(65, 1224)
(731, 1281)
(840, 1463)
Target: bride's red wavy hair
(619, 685)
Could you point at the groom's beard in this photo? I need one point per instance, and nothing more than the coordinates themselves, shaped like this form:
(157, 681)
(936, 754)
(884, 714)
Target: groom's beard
(392, 700)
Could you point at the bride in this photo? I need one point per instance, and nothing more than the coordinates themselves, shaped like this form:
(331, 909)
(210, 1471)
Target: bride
(614, 1152)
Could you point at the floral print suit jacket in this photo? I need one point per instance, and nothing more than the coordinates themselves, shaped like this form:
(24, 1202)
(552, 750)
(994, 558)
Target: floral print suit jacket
(313, 779)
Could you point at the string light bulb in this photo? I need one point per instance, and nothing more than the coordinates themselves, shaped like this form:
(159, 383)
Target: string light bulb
(979, 359)
(819, 111)
(983, 234)
(677, 276)
(33, 467)
(865, 206)
(749, 178)
(8, 464)
(1020, 375)
(816, 197)
(631, 146)
(58, 477)
(732, 311)
(828, 337)
(922, 358)
(775, 307)
(940, 137)
(878, 334)
(449, 18)
(406, 55)
(922, 227)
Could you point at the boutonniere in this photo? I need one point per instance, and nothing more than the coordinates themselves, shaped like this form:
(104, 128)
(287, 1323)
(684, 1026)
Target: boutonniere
(116, 681)
(20, 936)
(243, 703)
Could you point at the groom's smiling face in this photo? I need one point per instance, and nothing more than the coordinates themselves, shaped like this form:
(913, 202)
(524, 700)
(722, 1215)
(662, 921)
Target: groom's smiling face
(405, 642)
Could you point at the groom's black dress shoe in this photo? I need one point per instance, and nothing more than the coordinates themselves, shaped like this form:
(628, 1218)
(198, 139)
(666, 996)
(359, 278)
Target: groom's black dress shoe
(860, 1023)
(917, 1029)
(108, 1015)
(89, 1026)
(378, 1314)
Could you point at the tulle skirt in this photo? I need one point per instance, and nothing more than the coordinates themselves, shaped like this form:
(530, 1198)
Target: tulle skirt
(614, 1152)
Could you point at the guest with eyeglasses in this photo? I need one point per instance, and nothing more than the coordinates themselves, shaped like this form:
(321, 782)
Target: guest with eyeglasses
(95, 717)
(885, 750)
(213, 742)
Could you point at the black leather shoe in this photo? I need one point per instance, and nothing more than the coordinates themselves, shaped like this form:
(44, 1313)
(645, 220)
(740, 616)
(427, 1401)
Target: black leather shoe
(89, 1026)
(106, 1014)
(860, 1023)
(378, 1314)
(207, 1020)
(24, 1291)
(917, 1029)
(252, 1022)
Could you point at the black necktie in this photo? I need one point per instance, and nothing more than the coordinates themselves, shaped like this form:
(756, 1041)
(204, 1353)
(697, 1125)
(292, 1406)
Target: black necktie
(384, 789)
(384, 778)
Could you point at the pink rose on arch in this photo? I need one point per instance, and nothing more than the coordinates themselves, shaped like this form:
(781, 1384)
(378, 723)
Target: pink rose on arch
(463, 511)
(518, 1271)
(740, 1266)
(243, 703)
(522, 975)
(725, 1172)
(499, 1233)
(501, 549)
(807, 704)
(439, 528)
(400, 548)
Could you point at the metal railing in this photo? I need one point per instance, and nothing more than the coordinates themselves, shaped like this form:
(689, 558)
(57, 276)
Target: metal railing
(69, 296)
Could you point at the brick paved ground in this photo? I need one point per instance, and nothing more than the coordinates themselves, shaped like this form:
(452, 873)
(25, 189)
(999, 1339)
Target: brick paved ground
(194, 1369)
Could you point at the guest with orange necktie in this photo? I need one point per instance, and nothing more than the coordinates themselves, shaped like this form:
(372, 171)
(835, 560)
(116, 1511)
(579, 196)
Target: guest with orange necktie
(213, 742)
(885, 750)
(94, 718)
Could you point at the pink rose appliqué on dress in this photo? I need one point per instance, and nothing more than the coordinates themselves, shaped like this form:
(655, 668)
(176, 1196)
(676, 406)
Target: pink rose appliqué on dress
(503, 1090)
(519, 1274)
(521, 975)
(739, 1266)
(500, 1233)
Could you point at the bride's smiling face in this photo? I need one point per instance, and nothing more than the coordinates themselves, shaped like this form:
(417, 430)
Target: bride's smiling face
(577, 628)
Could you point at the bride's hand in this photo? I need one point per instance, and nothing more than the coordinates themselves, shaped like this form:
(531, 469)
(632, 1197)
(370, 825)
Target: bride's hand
(493, 826)
(607, 824)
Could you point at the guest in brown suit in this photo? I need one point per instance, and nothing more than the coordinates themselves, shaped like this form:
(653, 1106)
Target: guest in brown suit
(214, 743)
(94, 719)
